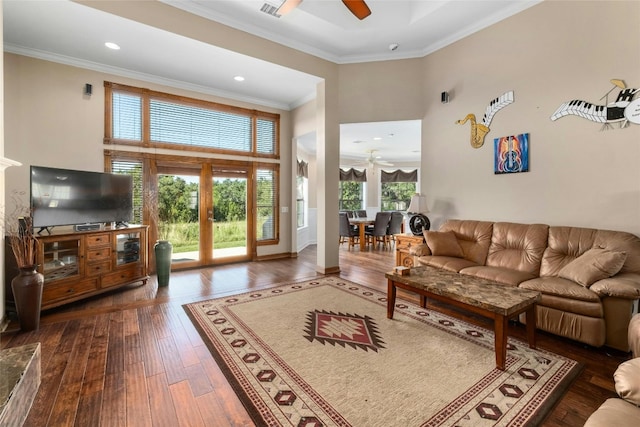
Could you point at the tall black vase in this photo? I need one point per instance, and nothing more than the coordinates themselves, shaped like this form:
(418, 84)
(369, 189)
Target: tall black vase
(163, 250)
(27, 294)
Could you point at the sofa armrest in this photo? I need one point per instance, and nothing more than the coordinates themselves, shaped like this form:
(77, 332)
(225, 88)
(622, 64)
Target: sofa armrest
(625, 285)
(627, 381)
(420, 250)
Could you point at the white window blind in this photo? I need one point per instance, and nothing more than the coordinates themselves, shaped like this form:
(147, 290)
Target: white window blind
(266, 136)
(134, 169)
(266, 204)
(126, 117)
(184, 124)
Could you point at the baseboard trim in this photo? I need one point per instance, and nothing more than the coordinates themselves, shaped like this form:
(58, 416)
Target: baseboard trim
(327, 270)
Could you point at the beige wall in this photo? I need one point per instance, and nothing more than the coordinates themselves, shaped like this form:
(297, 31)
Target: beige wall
(381, 91)
(52, 123)
(549, 54)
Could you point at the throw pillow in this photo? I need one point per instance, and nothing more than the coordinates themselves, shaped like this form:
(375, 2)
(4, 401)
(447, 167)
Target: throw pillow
(627, 379)
(443, 243)
(593, 265)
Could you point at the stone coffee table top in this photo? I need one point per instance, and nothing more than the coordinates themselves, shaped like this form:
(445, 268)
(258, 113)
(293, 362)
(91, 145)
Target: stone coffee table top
(501, 299)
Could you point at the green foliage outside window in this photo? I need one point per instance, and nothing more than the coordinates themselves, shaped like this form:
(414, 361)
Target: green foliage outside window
(351, 196)
(396, 196)
(229, 200)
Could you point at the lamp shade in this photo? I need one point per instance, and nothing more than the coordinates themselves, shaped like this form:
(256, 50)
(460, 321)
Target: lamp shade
(418, 204)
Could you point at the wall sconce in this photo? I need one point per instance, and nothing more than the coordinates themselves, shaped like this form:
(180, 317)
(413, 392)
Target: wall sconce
(88, 88)
(444, 97)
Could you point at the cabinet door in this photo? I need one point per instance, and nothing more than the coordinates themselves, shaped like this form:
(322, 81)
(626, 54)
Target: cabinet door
(128, 248)
(61, 258)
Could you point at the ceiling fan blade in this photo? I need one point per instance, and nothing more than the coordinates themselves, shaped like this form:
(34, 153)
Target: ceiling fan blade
(383, 163)
(287, 6)
(358, 7)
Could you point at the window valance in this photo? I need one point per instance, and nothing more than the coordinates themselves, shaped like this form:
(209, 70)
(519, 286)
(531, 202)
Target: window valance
(303, 169)
(353, 175)
(399, 176)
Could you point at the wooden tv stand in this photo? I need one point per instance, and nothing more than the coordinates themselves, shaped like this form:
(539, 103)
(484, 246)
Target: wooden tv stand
(80, 264)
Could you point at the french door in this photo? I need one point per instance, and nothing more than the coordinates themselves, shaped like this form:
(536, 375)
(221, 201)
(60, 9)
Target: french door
(228, 214)
(204, 211)
(179, 219)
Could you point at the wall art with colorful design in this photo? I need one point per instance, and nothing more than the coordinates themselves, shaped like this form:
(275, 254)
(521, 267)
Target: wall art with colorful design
(511, 154)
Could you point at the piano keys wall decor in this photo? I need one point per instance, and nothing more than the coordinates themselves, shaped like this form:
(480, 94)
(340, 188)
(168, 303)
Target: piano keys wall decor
(511, 154)
(623, 110)
(480, 130)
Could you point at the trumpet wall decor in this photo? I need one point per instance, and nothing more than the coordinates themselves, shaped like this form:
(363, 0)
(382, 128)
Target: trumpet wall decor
(479, 130)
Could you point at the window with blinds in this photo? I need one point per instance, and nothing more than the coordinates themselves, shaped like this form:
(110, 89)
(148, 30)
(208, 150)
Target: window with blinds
(134, 169)
(265, 135)
(266, 204)
(136, 115)
(126, 116)
(188, 125)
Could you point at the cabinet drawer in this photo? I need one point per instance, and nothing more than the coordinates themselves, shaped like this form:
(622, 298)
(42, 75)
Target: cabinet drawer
(96, 240)
(122, 276)
(97, 268)
(98, 254)
(52, 293)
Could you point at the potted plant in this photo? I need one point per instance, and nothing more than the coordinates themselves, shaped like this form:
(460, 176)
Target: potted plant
(27, 285)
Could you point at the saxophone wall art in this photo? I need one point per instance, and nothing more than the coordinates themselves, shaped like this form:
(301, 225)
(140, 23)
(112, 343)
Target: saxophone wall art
(479, 130)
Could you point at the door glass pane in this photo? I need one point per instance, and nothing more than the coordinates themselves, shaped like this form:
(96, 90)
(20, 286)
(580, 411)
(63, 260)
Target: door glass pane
(60, 259)
(178, 215)
(229, 215)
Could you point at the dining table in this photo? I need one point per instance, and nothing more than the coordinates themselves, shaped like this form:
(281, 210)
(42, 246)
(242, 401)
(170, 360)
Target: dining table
(362, 225)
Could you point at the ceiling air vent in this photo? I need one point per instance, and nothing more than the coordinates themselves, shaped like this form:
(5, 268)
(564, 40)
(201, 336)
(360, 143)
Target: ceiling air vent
(271, 9)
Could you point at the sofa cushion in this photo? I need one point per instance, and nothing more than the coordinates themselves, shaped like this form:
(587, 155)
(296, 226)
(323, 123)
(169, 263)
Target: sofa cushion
(627, 379)
(443, 243)
(518, 247)
(567, 243)
(445, 262)
(504, 276)
(593, 265)
(474, 237)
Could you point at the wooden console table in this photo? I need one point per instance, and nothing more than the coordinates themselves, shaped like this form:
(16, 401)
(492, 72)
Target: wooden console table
(80, 264)
(483, 297)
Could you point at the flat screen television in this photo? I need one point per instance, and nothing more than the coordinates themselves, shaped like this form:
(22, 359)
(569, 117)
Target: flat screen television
(71, 197)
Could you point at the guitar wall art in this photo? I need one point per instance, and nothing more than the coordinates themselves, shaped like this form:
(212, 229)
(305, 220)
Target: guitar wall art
(511, 154)
(624, 110)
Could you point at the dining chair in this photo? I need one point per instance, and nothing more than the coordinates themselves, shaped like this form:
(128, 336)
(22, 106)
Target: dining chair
(361, 213)
(379, 232)
(395, 225)
(349, 213)
(347, 232)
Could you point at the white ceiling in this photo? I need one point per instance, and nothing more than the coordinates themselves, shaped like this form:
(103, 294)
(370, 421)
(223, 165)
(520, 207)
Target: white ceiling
(74, 34)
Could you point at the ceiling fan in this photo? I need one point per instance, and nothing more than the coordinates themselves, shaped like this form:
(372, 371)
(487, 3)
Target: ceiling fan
(374, 160)
(358, 7)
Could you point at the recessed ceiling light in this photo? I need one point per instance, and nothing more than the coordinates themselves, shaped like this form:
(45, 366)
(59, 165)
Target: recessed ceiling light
(238, 78)
(377, 138)
(111, 45)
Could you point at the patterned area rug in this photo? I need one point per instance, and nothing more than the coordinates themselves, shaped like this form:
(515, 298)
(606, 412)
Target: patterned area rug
(323, 353)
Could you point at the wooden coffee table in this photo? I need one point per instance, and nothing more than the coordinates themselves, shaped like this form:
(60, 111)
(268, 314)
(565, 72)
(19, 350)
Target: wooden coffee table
(483, 297)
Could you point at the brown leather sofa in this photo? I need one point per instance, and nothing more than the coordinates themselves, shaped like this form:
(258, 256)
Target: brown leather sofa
(589, 279)
(623, 411)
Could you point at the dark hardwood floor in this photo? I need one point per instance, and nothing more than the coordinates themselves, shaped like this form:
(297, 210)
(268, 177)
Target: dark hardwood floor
(132, 357)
